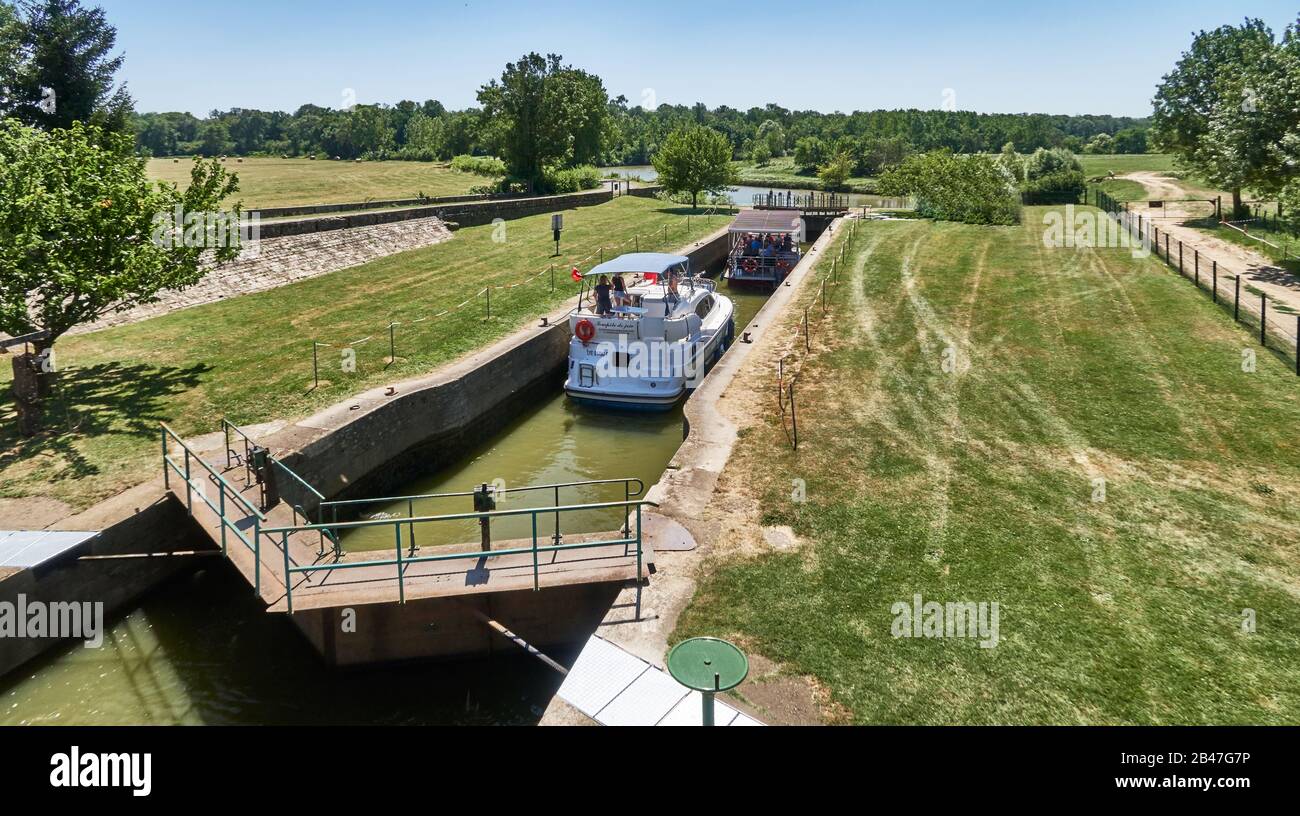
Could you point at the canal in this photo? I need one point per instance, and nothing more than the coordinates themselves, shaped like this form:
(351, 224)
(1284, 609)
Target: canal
(743, 195)
(200, 649)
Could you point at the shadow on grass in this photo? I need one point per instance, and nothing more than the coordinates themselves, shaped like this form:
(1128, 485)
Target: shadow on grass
(109, 398)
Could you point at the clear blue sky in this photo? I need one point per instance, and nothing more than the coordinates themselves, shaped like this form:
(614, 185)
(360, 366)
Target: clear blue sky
(1050, 57)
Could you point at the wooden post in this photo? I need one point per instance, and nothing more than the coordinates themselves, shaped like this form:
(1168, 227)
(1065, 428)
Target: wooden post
(1215, 281)
(315, 365)
(794, 417)
(1263, 318)
(1180, 261)
(1236, 298)
(807, 340)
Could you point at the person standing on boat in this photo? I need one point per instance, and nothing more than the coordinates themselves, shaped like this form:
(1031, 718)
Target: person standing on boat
(603, 306)
(619, 294)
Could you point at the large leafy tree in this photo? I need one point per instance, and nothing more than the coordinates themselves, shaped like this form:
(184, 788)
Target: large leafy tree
(1202, 102)
(68, 68)
(81, 236)
(694, 160)
(542, 113)
(11, 56)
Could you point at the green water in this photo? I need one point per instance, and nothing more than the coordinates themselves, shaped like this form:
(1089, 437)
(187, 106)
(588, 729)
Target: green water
(554, 443)
(199, 649)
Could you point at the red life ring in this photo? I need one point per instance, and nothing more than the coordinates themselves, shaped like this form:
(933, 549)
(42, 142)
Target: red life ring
(585, 330)
(750, 265)
(783, 265)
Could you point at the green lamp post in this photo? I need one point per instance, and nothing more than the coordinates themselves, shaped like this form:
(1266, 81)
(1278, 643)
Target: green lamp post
(708, 665)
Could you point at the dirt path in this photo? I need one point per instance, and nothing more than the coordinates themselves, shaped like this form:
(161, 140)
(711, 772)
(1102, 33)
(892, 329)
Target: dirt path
(1255, 269)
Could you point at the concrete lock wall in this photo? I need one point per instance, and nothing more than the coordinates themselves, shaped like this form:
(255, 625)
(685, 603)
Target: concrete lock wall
(104, 572)
(466, 214)
(443, 628)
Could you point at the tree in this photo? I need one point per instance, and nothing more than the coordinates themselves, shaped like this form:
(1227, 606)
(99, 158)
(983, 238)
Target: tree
(809, 153)
(974, 189)
(84, 232)
(695, 159)
(1208, 83)
(1131, 140)
(542, 113)
(68, 75)
(1101, 143)
(12, 34)
(835, 173)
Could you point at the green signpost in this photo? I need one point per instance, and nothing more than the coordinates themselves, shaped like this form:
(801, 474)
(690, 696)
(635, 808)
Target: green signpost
(708, 665)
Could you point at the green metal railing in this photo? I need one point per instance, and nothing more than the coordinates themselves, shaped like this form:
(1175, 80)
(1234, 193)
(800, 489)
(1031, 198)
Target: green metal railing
(629, 492)
(227, 428)
(631, 536)
(227, 493)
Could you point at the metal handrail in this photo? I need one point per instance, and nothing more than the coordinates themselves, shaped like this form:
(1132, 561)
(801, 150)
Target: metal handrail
(402, 562)
(568, 508)
(466, 493)
(220, 508)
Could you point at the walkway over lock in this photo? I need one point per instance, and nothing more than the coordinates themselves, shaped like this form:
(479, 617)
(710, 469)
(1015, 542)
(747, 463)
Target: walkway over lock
(295, 560)
(818, 204)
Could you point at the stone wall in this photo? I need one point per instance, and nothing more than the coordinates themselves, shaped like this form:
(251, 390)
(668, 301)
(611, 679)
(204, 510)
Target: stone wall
(463, 214)
(280, 261)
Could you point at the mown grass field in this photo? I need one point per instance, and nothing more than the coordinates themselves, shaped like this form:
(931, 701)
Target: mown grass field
(285, 182)
(781, 172)
(980, 483)
(250, 358)
(1119, 164)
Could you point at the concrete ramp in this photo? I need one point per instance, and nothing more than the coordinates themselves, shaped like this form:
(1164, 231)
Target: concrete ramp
(614, 687)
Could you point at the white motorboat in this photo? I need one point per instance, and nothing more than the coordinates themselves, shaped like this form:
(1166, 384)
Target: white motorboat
(648, 347)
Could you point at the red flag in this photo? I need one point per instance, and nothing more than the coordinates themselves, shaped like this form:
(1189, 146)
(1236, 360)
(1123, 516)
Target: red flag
(651, 277)
(576, 274)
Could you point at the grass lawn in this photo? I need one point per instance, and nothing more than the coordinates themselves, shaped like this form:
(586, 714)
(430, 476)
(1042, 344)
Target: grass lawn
(250, 358)
(781, 172)
(1099, 165)
(981, 485)
(284, 182)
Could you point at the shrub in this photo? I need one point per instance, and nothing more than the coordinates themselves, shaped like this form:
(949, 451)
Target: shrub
(479, 165)
(572, 180)
(974, 189)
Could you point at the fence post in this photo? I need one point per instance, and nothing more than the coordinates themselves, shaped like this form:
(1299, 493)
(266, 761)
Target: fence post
(794, 417)
(1215, 281)
(1180, 261)
(1196, 259)
(392, 342)
(1263, 319)
(1236, 297)
(552, 277)
(807, 341)
(315, 364)
(1297, 345)
(488, 291)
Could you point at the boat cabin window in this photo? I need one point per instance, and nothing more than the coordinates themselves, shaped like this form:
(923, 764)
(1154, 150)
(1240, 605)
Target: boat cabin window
(706, 305)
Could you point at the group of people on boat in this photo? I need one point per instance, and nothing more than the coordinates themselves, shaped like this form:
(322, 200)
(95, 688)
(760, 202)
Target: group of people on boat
(612, 296)
(767, 245)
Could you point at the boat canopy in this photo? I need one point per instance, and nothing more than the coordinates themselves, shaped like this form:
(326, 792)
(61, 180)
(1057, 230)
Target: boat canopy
(652, 263)
(764, 221)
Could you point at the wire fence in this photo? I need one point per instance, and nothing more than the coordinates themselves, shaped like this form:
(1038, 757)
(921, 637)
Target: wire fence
(415, 331)
(1276, 325)
(815, 308)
